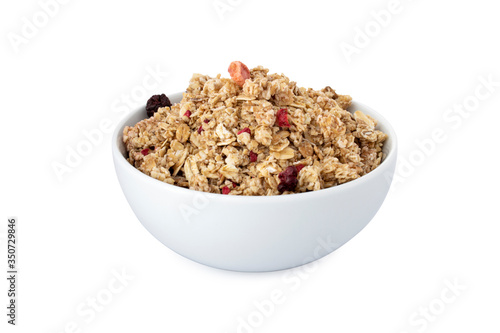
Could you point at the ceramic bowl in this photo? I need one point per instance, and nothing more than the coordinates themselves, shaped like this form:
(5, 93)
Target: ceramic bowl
(254, 234)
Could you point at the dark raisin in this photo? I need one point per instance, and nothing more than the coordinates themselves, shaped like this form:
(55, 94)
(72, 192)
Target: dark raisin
(155, 102)
(288, 179)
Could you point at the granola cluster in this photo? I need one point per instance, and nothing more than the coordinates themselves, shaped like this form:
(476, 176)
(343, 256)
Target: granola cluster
(236, 136)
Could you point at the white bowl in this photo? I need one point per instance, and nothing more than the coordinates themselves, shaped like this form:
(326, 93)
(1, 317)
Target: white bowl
(254, 234)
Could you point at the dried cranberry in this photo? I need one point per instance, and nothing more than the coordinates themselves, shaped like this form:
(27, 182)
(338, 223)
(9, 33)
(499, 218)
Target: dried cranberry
(291, 171)
(299, 167)
(145, 151)
(225, 190)
(200, 129)
(253, 156)
(155, 102)
(187, 114)
(206, 121)
(234, 184)
(245, 130)
(282, 118)
(288, 179)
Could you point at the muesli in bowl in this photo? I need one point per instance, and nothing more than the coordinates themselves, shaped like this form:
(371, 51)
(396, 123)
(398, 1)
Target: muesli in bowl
(254, 134)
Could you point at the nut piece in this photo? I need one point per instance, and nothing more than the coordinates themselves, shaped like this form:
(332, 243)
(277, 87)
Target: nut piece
(239, 72)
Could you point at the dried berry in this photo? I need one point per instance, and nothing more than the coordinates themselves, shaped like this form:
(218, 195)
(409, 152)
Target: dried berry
(234, 184)
(253, 156)
(187, 114)
(145, 151)
(225, 190)
(288, 179)
(239, 72)
(206, 121)
(155, 102)
(200, 129)
(282, 118)
(290, 171)
(299, 167)
(245, 130)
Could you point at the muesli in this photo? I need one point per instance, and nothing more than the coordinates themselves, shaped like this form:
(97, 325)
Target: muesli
(254, 134)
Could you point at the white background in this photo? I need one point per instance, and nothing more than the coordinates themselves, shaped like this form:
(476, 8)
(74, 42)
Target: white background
(439, 223)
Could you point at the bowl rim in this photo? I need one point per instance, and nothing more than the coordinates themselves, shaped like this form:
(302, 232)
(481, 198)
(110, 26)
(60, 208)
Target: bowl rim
(120, 161)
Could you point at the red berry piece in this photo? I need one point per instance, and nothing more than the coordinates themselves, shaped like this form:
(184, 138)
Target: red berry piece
(200, 129)
(253, 156)
(145, 151)
(234, 184)
(288, 179)
(187, 114)
(206, 121)
(282, 118)
(225, 190)
(299, 167)
(155, 102)
(245, 130)
(239, 72)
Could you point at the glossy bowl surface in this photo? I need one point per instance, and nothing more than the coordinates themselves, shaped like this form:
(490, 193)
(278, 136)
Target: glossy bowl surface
(254, 234)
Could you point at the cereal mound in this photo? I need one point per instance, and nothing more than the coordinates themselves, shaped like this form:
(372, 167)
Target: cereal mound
(255, 134)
